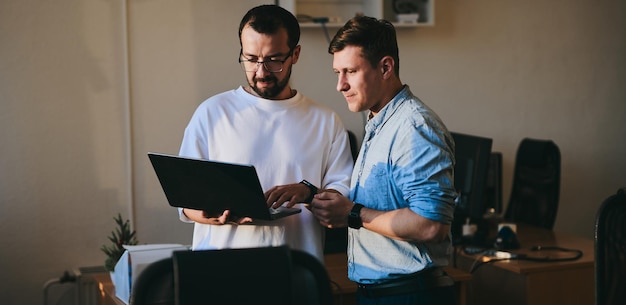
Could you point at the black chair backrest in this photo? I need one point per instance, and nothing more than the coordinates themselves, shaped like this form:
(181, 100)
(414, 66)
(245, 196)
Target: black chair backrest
(270, 275)
(154, 285)
(536, 184)
(233, 276)
(610, 250)
(311, 281)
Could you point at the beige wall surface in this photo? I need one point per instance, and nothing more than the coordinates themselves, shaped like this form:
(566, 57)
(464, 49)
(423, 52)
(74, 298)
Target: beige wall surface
(88, 87)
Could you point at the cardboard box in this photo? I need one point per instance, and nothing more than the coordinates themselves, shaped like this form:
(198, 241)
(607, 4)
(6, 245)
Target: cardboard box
(134, 260)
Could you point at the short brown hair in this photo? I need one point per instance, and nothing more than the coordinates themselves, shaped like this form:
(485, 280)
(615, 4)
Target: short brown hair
(376, 37)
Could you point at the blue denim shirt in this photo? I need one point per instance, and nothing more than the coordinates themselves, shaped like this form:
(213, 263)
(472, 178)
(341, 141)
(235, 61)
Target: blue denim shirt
(406, 160)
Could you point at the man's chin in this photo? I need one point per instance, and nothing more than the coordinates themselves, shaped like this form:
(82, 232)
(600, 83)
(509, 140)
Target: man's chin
(355, 107)
(267, 92)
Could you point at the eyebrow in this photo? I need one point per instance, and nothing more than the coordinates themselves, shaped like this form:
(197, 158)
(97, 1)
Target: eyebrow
(247, 55)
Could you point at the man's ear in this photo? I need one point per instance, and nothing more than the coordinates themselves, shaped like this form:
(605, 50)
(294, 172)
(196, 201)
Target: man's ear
(295, 54)
(387, 63)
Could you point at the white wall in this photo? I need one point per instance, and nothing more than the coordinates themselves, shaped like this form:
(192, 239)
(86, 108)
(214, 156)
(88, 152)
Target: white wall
(63, 139)
(74, 133)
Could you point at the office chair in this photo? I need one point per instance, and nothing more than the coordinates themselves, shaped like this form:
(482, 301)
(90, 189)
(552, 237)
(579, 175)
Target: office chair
(155, 285)
(610, 250)
(268, 275)
(271, 275)
(311, 281)
(233, 276)
(536, 181)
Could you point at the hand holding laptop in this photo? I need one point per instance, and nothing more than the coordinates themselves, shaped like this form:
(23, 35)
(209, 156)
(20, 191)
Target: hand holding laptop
(281, 195)
(226, 217)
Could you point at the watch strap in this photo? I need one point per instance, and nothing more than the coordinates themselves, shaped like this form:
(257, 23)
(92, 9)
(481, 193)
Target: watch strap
(354, 219)
(312, 188)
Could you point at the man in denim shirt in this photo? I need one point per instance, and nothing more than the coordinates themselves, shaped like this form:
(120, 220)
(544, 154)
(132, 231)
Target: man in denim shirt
(402, 194)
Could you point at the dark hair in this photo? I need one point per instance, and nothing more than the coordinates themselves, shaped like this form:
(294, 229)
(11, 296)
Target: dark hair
(268, 19)
(376, 37)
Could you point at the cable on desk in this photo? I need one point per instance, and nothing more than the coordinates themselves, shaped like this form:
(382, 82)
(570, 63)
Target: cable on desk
(478, 263)
(577, 254)
(496, 256)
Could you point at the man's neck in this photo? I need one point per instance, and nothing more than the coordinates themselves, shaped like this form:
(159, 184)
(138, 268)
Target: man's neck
(392, 92)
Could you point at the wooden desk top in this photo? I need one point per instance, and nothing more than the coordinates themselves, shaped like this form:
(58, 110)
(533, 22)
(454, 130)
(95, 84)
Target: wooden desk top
(106, 290)
(529, 237)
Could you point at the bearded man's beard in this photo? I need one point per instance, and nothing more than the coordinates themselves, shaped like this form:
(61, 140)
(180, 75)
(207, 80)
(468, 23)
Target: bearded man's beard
(272, 92)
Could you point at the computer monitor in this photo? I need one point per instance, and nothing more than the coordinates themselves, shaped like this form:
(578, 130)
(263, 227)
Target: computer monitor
(493, 190)
(472, 154)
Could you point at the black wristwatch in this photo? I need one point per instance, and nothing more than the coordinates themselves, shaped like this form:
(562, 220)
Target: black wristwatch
(312, 188)
(354, 219)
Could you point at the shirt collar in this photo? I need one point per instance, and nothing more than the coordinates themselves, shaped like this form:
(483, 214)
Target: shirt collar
(387, 112)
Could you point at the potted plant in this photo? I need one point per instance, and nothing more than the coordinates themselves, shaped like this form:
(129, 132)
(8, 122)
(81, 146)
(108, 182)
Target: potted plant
(122, 235)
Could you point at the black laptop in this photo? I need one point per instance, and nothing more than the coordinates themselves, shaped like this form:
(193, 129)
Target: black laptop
(214, 186)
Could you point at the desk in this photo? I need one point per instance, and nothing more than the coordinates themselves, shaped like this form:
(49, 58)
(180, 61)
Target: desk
(520, 282)
(344, 290)
(106, 290)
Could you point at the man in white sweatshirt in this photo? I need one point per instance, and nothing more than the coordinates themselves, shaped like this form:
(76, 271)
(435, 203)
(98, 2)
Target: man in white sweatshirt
(295, 144)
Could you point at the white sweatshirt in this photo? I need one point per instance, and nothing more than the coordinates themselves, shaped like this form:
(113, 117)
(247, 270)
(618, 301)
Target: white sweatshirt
(286, 141)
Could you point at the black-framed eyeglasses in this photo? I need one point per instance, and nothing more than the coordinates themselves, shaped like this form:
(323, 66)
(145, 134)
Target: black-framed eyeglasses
(272, 66)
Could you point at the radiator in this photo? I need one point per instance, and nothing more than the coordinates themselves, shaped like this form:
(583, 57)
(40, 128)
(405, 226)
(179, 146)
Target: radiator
(75, 287)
